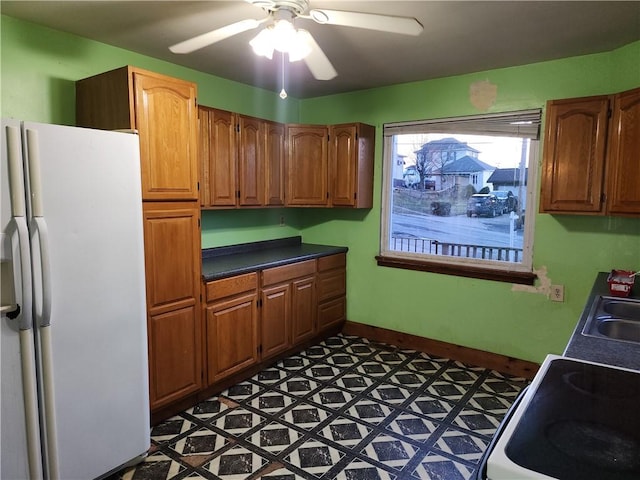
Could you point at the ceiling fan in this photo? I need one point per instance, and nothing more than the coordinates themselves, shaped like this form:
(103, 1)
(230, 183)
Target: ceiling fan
(281, 35)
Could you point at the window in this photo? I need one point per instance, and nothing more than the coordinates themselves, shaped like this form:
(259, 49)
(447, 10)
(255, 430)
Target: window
(471, 209)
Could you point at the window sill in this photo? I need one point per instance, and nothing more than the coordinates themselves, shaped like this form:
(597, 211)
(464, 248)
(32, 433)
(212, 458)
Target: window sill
(508, 276)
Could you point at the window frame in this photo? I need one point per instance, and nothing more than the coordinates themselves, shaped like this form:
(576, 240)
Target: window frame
(522, 272)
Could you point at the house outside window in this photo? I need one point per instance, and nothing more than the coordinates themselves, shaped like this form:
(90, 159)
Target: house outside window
(474, 220)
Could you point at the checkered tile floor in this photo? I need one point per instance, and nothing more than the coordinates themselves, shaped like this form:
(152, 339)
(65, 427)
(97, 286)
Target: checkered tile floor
(344, 409)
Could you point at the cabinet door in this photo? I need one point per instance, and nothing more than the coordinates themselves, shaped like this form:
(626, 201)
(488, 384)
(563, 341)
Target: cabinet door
(222, 177)
(351, 155)
(250, 151)
(307, 165)
(172, 254)
(175, 361)
(574, 155)
(624, 155)
(166, 120)
(204, 133)
(331, 313)
(172, 268)
(303, 309)
(331, 284)
(274, 163)
(342, 165)
(232, 338)
(276, 320)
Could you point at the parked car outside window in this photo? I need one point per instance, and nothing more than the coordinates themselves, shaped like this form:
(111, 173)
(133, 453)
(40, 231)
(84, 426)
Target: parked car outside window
(507, 200)
(486, 204)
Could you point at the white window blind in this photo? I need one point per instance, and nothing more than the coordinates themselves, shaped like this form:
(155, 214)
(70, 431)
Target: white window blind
(523, 124)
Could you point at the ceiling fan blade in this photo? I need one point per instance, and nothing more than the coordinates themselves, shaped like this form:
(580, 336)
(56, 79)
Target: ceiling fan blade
(371, 21)
(206, 39)
(317, 61)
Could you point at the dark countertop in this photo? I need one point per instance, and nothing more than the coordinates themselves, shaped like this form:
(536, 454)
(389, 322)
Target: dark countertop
(603, 350)
(233, 260)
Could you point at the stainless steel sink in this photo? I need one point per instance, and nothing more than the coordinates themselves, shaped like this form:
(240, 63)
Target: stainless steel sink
(622, 308)
(614, 318)
(628, 330)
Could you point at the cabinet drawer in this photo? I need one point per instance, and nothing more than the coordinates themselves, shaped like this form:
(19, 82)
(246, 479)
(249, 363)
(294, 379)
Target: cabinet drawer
(231, 286)
(332, 261)
(331, 284)
(288, 272)
(331, 313)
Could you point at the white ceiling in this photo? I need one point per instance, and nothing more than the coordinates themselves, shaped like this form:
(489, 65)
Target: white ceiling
(459, 37)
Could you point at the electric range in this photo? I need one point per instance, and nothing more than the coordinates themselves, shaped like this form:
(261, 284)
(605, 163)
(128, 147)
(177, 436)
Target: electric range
(577, 420)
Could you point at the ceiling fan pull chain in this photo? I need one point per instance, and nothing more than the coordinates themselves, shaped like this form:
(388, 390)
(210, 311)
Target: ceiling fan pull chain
(283, 93)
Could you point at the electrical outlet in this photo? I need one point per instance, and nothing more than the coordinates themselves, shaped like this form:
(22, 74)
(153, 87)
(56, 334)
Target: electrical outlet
(557, 293)
(282, 221)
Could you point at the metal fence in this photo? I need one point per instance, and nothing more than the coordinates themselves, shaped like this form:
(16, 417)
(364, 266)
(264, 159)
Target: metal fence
(434, 247)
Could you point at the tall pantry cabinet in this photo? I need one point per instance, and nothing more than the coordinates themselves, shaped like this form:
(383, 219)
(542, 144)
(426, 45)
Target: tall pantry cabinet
(163, 111)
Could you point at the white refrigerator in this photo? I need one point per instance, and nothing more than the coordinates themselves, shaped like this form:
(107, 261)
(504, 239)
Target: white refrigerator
(73, 350)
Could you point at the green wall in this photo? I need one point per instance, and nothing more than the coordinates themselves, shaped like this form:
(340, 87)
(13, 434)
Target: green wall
(39, 67)
(39, 70)
(487, 315)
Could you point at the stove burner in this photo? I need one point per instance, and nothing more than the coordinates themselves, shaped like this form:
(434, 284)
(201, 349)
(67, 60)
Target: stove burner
(598, 445)
(603, 386)
(581, 422)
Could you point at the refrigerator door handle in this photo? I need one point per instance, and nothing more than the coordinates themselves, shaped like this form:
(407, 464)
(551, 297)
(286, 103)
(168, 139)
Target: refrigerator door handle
(46, 357)
(39, 226)
(19, 237)
(44, 290)
(33, 154)
(16, 172)
(18, 225)
(25, 321)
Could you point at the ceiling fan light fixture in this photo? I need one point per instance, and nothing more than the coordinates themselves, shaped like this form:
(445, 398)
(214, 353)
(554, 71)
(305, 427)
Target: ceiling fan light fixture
(301, 47)
(263, 43)
(283, 37)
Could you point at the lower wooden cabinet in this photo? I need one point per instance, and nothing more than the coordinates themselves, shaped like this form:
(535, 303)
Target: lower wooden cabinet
(172, 268)
(232, 341)
(231, 326)
(332, 290)
(246, 321)
(174, 351)
(275, 321)
(303, 302)
(289, 300)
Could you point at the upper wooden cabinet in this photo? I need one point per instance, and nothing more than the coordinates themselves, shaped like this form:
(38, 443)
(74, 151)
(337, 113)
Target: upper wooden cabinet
(241, 159)
(250, 162)
(591, 160)
(251, 146)
(307, 165)
(623, 167)
(274, 163)
(330, 166)
(218, 157)
(351, 150)
(163, 111)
